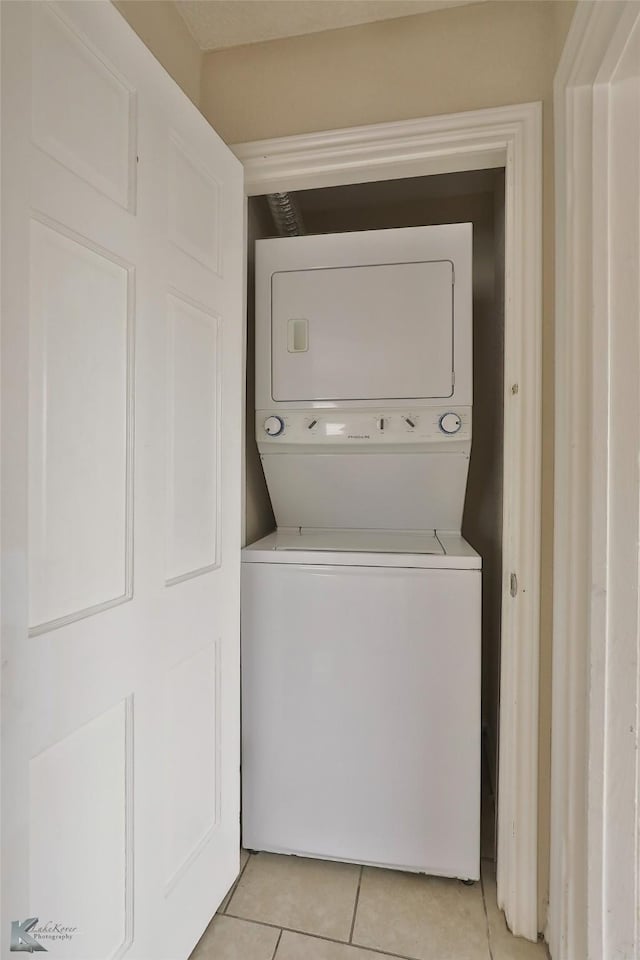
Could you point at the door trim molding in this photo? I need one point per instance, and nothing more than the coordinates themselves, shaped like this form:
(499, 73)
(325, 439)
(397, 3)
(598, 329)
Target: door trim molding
(581, 638)
(509, 137)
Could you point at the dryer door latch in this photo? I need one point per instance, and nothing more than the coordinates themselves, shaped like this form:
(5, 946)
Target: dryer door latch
(514, 585)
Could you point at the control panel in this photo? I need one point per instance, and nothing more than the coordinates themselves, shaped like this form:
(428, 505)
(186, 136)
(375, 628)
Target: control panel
(365, 427)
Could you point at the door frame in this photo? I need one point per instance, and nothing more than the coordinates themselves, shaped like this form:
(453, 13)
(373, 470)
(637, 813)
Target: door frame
(587, 815)
(509, 137)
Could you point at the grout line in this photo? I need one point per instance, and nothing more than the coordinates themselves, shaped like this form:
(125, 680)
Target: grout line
(234, 886)
(277, 945)
(317, 936)
(486, 915)
(355, 906)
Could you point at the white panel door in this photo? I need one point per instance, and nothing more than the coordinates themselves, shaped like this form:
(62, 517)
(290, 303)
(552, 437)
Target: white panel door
(122, 273)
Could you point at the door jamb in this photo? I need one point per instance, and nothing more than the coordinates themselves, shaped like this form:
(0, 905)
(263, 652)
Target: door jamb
(580, 821)
(509, 137)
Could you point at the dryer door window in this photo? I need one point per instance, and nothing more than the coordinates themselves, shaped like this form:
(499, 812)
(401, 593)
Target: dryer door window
(363, 333)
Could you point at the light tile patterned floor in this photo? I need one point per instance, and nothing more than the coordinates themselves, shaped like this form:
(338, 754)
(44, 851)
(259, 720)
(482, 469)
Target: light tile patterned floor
(289, 908)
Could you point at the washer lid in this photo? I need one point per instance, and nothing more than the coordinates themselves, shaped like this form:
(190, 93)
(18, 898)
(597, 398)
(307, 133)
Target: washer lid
(358, 541)
(364, 548)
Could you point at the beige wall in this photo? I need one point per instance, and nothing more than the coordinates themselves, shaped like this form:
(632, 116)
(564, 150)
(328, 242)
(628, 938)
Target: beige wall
(448, 61)
(442, 62)
(162, 29)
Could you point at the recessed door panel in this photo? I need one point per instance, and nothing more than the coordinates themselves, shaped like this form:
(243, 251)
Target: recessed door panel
(79, 430)
(81, 807)
(194, 207)
(193, 759)
(194, 437)
(94, 139)
(363, 333)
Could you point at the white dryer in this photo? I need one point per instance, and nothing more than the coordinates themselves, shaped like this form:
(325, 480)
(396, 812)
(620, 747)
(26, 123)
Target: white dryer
(361, 613)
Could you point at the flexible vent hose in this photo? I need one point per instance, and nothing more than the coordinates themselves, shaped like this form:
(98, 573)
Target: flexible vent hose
(286, 214)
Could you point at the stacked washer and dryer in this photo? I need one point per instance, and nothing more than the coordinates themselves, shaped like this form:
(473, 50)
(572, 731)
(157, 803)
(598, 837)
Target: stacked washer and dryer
(361, 612)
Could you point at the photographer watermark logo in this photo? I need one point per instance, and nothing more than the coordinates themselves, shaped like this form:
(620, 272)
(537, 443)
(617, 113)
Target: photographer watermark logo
(21, 939)
(27, 935)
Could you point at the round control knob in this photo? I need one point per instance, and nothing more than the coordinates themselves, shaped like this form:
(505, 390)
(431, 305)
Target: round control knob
(450, 423)
(274, 426)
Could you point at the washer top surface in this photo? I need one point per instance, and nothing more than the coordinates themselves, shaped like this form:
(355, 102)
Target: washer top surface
(379, 548)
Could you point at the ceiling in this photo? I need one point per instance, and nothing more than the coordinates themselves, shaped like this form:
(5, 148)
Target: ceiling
(215, 24)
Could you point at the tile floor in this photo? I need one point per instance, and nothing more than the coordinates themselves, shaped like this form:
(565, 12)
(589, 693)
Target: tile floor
(290, 908)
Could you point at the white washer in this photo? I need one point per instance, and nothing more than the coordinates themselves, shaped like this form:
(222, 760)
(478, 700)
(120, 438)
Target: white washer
(360, 619)
(361, 699)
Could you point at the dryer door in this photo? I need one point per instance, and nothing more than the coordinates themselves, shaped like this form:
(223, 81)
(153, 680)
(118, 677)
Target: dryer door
(363, 332)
